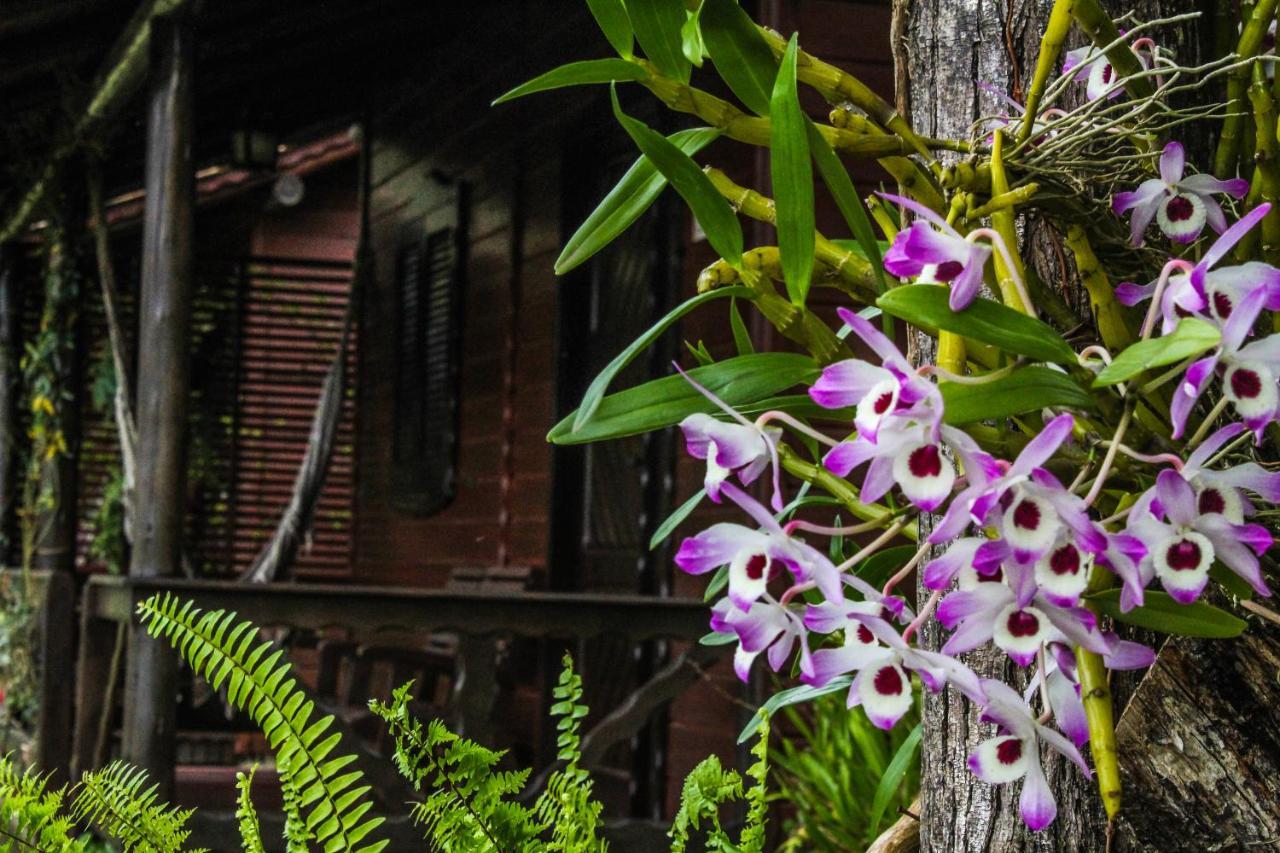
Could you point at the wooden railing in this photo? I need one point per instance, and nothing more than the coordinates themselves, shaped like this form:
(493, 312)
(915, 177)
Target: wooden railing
(479, 618)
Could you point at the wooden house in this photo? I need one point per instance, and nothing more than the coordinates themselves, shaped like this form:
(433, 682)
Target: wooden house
(273, 149)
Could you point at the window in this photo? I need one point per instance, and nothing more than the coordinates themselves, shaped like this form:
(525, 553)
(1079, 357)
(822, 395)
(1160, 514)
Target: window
(429, 268)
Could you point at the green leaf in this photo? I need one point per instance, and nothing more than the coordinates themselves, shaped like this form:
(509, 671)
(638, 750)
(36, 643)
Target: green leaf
(673, 521)
(716, 639)
(891, 781)
(799, 405)
(1026, 390)
(657, 26)
(791, 696)
(741, 55)
(719, 582)
(1191, 337)
(627, 201)
(611, 15)
(792, 175)
(879, 567)
(1230, 581)
(595, 391)
(713, 213)
(1159, 612)
(741, 337)
(691, 40)
(577, 74)
(926, 306)
(667, 401)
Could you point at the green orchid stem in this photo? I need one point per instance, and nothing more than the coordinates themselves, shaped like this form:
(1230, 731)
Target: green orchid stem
(1266, 175)
(1095, 691)
(1232, 138)
(1055, 34)
(840, 489)
(1010, 271)
(1102, 31)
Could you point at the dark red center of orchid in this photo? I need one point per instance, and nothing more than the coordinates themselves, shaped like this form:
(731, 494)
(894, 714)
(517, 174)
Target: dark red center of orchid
(1179, 209)
(1027, 515)
(1065, 560)
(1107, 73)
(1009, 751)
(1211, 500)
(882, 403)
(925, 461)
(865, 635)
(1245, 384)
(756, 566)
(1180, 311)
(948, 270)
(1222, 305)
(996, 574)
(1183, 555)
(1023, 624)
(888, 682)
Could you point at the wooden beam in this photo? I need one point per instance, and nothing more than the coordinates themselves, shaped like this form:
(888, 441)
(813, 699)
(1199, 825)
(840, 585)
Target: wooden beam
(10, 376)
(120, 77)
(164, 320)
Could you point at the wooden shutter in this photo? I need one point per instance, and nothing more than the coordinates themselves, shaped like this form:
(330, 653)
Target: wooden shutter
(430, 267)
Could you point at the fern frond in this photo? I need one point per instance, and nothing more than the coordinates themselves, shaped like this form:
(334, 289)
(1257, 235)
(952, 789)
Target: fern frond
(568, 805)
(753, 833)
(225, 652)
(296, 835)
(247, 815)
(117, 801)
(31, 815)
(707, 787)
(468, 808)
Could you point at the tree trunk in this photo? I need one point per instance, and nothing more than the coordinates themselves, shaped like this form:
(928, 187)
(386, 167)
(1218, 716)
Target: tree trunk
(943, 49)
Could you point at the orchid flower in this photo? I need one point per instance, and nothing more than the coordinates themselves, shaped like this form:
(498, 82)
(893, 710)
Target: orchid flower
(933, 252)
(1182, 541)
(882, 662)
(766, 626)
(1015, 753)
(1205, 289)
(1249, 372)
(1222, 491)
(1062, 685)
(1092, 67)
(891, 389)
(992, 611)
(1180, 205)
(756, 556)
(726, 447)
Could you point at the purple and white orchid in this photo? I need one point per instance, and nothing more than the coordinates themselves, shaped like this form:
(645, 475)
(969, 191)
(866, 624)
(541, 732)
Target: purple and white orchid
(1014, 753)
(1181, 205)
(933, 252)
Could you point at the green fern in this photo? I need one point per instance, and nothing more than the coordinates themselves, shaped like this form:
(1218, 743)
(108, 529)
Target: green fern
(117, 801)
(224, 651)
(709, 787)
(296, 835)
(567, 805)
(468, 808)
(30, 814)
(247, 815)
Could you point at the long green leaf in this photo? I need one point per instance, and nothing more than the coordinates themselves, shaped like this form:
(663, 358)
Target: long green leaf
(581, 73)
(836, 178)
(880, 566)
(595, 391)
(657, 26)
(667, 401)
(624, 204)
(891, 781)
(629, 199)
(611, 15)
(1161, 613)
(741, 337)
(791, 696)
(741, 55)
(674, 520)
(1027, 390)
(1190, 337)
(926, 305)
(713, 213)
(792, 175)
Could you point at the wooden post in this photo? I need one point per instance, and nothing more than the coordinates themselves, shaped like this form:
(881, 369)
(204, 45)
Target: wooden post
(10, 308)
(165, 309)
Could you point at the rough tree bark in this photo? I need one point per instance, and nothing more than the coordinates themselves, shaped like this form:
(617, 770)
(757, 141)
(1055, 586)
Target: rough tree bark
(943, 49)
